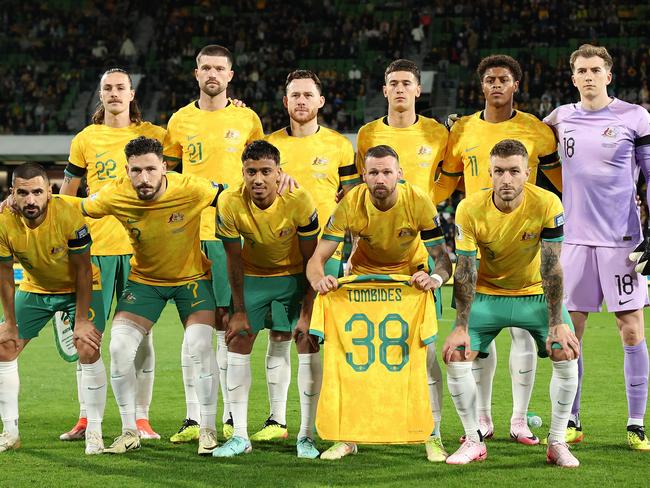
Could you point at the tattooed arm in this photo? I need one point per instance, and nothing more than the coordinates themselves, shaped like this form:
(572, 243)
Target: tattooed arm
(552, 283)
(464, 289)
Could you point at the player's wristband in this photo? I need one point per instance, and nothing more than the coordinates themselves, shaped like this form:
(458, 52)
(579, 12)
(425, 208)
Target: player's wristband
(438, 278)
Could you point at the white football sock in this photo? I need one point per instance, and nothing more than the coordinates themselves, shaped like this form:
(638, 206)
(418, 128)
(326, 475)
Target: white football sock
(523, 365)
(278, 378)
(462, 388)
(222, 364)
(125, 340)
(199, 345)
(9, 388)
(310, 378)
(191, 401)
(239, 385)
(564, 383)
(80, 393)
(145, 364)
(434, 378)
(93, 379)
(483, 370)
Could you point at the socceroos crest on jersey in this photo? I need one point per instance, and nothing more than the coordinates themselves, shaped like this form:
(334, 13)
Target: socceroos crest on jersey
(375, 330)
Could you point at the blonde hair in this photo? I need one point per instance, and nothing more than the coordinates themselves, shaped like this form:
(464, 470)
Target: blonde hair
(589, 51)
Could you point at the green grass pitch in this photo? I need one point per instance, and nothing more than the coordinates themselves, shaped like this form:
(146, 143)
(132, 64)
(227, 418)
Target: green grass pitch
(48, 406)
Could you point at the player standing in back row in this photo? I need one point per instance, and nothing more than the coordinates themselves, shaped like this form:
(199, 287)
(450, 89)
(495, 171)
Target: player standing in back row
(97, 152)
(208, 136)
(605, 142)
(420, 143)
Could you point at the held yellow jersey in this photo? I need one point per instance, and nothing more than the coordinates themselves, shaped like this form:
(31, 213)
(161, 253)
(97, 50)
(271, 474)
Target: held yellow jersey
(270, 235)
(389, 241)
(420, 147)
(43, 252)
(472, 138)
(509, 243)
(210, 144)
(320, 163)
(98, 152)
(164, 233)
(375, 331)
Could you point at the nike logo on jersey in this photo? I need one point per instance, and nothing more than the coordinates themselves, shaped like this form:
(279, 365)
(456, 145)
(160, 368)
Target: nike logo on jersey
(470, 148)
(189, 138)
(626, 301)
(566, 131)
(99, 155)
(194, 304)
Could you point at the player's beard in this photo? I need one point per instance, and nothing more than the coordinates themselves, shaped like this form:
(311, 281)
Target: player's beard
(302, 117)
(213, 89)
(32, 212)
(511, 195)
(148, 196)
(382, 192)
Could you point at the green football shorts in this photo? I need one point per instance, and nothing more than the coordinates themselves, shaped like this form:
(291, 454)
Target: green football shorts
(437, 293)
(277, 297)
(34, 310)
(148, 301)
(216, 253)
(492, 313)
(115, 273)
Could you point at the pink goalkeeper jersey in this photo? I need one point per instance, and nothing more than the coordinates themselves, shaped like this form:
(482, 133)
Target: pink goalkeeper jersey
(602, 153)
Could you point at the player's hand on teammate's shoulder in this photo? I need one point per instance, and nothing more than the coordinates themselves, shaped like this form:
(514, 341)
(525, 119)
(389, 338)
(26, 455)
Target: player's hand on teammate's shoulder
(458, 338)
(423, 281)
(10, 203)
(564, 336)
(325, 284)
(86, 332)
(286, 182)
(237, 324)
(238, 103)
(451, 120)
(9, 333)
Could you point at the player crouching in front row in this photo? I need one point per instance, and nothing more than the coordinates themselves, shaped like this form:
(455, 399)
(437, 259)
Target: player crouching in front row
(514, 287)
(52, 242)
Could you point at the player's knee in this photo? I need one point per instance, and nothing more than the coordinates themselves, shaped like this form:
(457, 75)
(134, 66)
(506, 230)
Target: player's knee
(126, 337)
(631, 334)
(199, 339)
(559, 355)
(8, 351)
(87, 354)
(276, 336)
(241, 344)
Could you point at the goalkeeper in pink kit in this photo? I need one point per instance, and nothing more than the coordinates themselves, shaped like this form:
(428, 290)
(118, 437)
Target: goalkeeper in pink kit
(605, 143)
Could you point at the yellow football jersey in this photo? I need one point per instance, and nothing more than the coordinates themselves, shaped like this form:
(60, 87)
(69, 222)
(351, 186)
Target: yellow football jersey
(98, 152)
(270, 235)
(420, 147)
(509, 243)
(320, 163)
(43, 251)
(472, 138)
(210, 144)
(375, 331)
(164, 233)
(389, 241)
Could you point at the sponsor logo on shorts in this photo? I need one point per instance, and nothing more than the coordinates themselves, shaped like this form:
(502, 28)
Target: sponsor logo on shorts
(128, 297)
(83, 232)
(527, 236)
(176, 217)
(559, 219)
